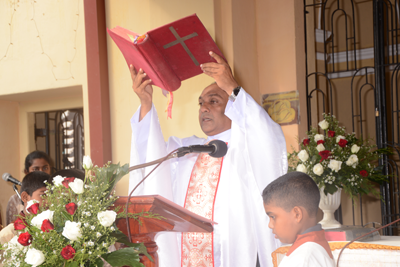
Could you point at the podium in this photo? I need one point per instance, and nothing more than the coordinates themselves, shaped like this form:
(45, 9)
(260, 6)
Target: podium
(176, 219)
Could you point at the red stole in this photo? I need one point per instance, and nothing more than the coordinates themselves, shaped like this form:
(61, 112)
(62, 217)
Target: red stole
(197, 248)
(314, 236)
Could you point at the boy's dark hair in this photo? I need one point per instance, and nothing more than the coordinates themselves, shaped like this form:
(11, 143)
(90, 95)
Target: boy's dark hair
(37, 155)
(77, 173)
(34, 181)
(293, 189)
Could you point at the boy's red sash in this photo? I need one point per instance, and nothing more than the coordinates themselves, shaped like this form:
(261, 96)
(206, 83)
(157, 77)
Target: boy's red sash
(316, 237)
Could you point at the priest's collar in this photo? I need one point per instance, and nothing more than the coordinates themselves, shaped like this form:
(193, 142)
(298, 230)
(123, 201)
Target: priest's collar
(224, 136)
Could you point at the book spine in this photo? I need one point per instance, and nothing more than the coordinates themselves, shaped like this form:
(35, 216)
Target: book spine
(157, 61)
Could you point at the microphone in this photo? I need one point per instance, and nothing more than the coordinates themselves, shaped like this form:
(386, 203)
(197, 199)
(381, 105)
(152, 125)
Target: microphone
(8, 178)
(215, 148)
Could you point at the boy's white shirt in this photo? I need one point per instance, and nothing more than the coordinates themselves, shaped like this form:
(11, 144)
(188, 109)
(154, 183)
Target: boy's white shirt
(309, 254)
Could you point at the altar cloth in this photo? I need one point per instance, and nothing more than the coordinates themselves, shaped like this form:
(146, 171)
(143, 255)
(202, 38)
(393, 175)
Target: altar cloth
(384, 252)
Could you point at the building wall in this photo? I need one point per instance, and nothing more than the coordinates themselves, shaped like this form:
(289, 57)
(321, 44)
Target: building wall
(9, 143)
(42, 68)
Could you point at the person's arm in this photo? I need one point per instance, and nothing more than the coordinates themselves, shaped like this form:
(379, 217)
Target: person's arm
(264, 139)
(221, 73)
(143, 89)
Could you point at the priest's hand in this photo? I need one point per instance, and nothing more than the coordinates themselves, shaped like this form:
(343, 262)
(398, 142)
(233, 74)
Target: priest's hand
(221, 73)
(143, 89)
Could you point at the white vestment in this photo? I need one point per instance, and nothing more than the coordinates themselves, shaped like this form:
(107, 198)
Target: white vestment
(256, 156)
(309, 254)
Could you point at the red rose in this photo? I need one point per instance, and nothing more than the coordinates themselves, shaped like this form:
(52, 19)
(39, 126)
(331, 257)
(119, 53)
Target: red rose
(71, 208)
(306, 142)
(47, 226)
(364, 173)
(331, 133)
(19, 224)
(68, 252)
(33, 208)
(25, 239)
(342, 143)
(67, 181)
(324, 154)
(320, 142)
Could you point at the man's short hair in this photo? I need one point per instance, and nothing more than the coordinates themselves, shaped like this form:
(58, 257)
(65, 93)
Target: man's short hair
(34, 181)
(293, 189)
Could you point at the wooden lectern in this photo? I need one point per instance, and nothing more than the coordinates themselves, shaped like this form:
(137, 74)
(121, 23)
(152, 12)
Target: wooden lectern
(177, 219)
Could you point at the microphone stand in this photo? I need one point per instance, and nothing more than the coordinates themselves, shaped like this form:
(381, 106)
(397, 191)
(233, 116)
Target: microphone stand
(16, 191)
(174, 154)
(169, 156)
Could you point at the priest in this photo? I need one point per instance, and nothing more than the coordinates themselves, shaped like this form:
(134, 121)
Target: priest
(226, 190)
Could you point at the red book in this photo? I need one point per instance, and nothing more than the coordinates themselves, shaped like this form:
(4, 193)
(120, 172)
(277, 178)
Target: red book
(168, 54)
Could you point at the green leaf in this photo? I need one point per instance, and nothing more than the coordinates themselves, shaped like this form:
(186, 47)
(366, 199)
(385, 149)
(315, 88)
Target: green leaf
(99, 262)
(330, 188)
(122, 238)
(67, 215)
(125, 256)
(71, 264)
(314, 159)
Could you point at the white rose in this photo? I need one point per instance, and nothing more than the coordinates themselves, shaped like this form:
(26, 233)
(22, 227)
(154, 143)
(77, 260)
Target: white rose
(76, 186)
(318, 169)
(340, 137)
(355, 149)
(323, 124)
(335, 165)
(34, 257)
(301, 168)
(320, 147)
(87, 163)
(107, 218)
(303, 155)
(352, 161)
(57, 181)
(72, 230)
(30, 203)
(45, 215)
(318, 137)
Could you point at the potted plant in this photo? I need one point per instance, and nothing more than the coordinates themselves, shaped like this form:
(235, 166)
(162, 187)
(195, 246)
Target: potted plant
(75, 227)
(337, 160)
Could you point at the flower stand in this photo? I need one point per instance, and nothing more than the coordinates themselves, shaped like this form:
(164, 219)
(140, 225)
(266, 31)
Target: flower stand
(329, 204)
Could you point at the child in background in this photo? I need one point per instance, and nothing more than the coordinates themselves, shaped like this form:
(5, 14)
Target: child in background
(33, 188)
(291, 202)
(35, 161)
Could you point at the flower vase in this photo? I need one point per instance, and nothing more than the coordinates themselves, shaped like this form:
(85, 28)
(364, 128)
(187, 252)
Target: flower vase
(329, 204)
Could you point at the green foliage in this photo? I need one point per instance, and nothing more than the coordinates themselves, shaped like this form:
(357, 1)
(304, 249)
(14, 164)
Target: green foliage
(125, 256)
(95, 237)
(350, 164)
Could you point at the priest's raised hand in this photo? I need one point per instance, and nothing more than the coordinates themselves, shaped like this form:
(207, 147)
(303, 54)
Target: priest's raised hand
(143, 89)
(221, 73)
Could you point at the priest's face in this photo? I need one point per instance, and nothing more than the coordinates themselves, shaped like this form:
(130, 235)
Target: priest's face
(212, 108)
(282, 223)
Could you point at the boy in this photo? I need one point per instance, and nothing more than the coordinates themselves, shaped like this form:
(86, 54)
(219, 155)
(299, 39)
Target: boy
(33, 187)
(291, 203)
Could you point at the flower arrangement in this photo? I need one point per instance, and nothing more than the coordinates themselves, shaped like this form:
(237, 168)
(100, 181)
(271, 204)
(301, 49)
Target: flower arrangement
(74, 227)
(337, 159)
